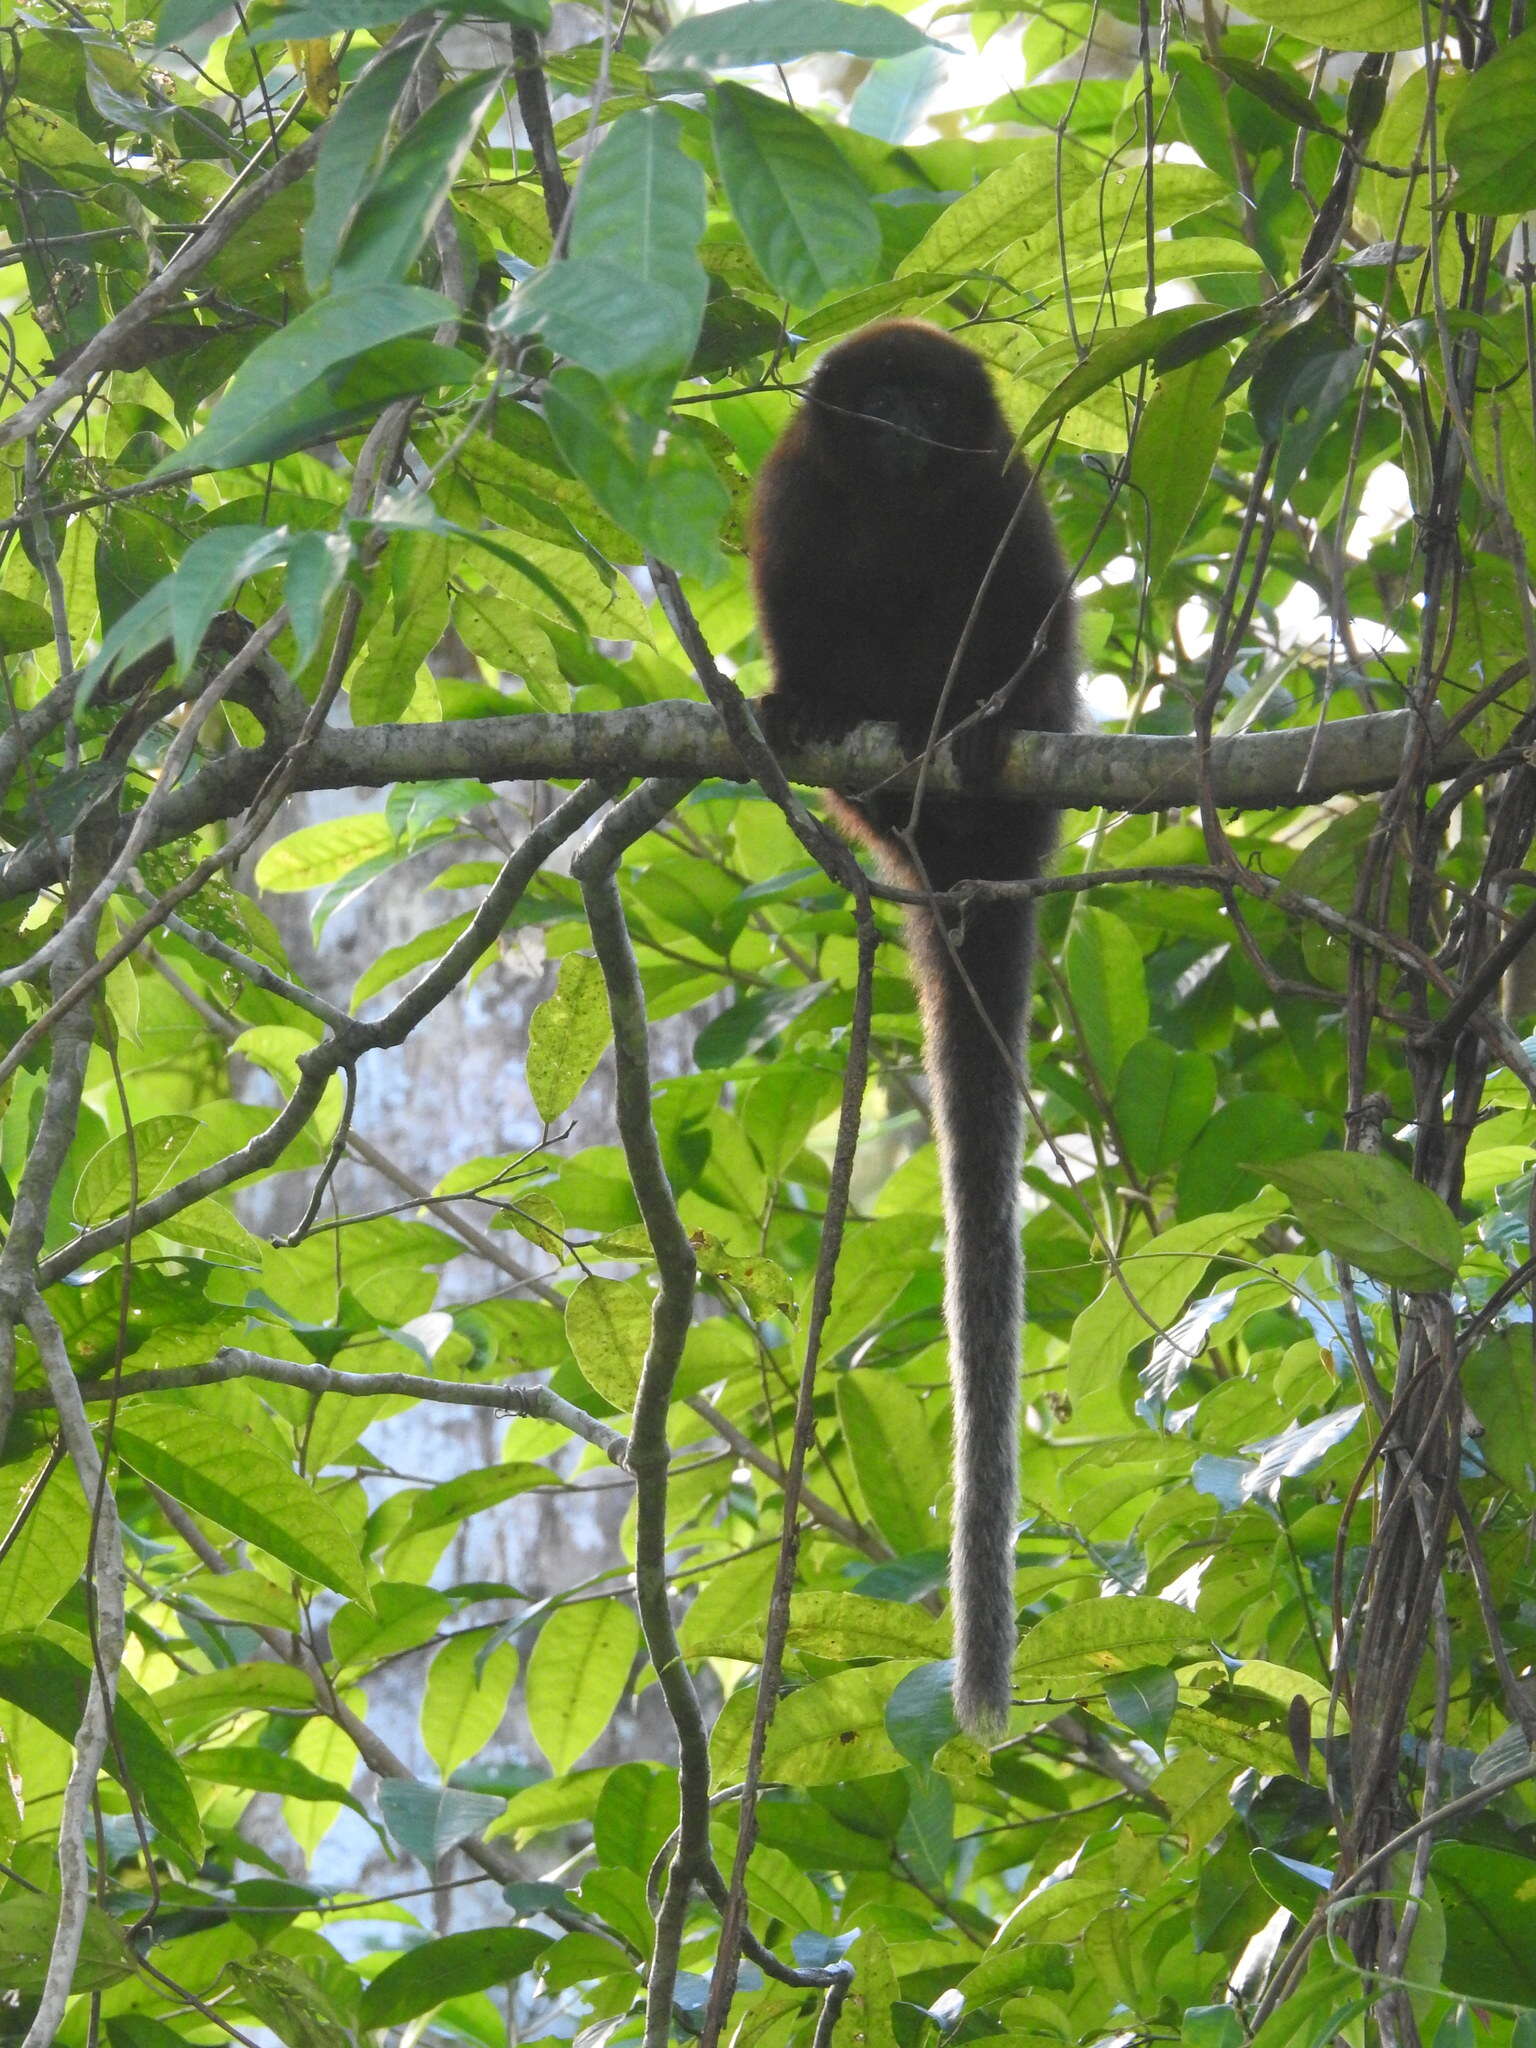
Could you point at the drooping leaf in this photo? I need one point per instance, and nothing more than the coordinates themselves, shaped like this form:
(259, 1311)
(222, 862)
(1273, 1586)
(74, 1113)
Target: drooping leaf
(567, 1036)
(806, 217)
(353, 143)
(1490, 138)
(781, 32)
(1109, 989)
(476, 1959)
(429, 1820)
(46, 1671)
(276, 372)
(577, 1673)
(608, 1325)
(397, 210)
(219, 1471)
(1368, 1209)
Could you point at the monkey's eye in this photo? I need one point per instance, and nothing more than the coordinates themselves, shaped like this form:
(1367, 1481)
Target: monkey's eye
(899, 405)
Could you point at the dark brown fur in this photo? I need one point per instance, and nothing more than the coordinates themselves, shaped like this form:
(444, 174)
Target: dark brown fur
(897, 538)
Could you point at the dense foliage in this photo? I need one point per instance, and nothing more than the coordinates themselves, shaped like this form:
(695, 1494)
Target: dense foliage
(315, 370)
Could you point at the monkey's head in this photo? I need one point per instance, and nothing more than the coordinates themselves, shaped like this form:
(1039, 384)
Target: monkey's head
(906, 401)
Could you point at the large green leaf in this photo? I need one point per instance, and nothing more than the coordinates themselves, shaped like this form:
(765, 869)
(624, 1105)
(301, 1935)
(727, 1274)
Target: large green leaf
(806, 217)
(1108, 988)
(220, 1471)
(26, 1939)
(397, 211)
(1174, 451)
(48, 1523)
(1368, 1209)
(899, 1470)
(1490, 139)
(478, 1959)
(277, 370)
(780, 32)
(1489, 1898)
(429, 1820)
(567, 1036)
(1119, 1634)
(1346, 25)
(46, 1671)
(353, 142)
(627, 300)
(577, 1673)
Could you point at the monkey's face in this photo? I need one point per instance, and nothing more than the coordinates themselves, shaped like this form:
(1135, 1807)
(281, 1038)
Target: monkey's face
(906, 402)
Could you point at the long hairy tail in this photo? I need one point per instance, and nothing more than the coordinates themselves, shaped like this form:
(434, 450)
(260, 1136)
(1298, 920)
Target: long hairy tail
(975, 999)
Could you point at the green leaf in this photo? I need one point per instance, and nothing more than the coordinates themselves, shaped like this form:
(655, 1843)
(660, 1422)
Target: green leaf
(628, 300)
(1017, 200)
(567, 1036)
(1490, 139)
(894, 96)
(1173, 454)
(668, 496)
(608, 1327)
(847, 1625)
(23, 625)
(133, 1163)
(319, 854)
(252, 1769)
(26, 1940)
(1124, 348)
(633, 334)
(397, 212)
(465, 1700)
(1496, 1380)
(346, 398)
(288, 2000)
(1251, 1128)
(317, 20)
(478, 1959)
(1365, 1207)
(46, 1671)
(1108, 986)
(1370, 25)
(577, 1674)
(826, 1733)
(45, 1552)
(781, 32)
(806, 217)
(1489, 1898)
(1118, 1634)
(350, 148)
(207, 1697)
(278, 369)
(920, 1715)
(429, 1820)
(899, 1470)
(452, 1503)
(1296, 1886)
(1143, 1701)
(1163, 1100)
(220, 1471)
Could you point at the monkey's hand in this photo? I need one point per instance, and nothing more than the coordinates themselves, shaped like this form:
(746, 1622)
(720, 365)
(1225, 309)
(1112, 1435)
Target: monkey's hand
(790, 723)
(978, 748)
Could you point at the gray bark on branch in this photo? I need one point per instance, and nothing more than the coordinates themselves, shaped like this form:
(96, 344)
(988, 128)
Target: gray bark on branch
(676, 738)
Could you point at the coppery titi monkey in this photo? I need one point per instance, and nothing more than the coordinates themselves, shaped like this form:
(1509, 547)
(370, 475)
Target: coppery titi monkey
(907, 569)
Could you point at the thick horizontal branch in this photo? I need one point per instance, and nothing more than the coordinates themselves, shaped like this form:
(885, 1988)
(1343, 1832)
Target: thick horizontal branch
(1076, 770)
(1127, 772)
